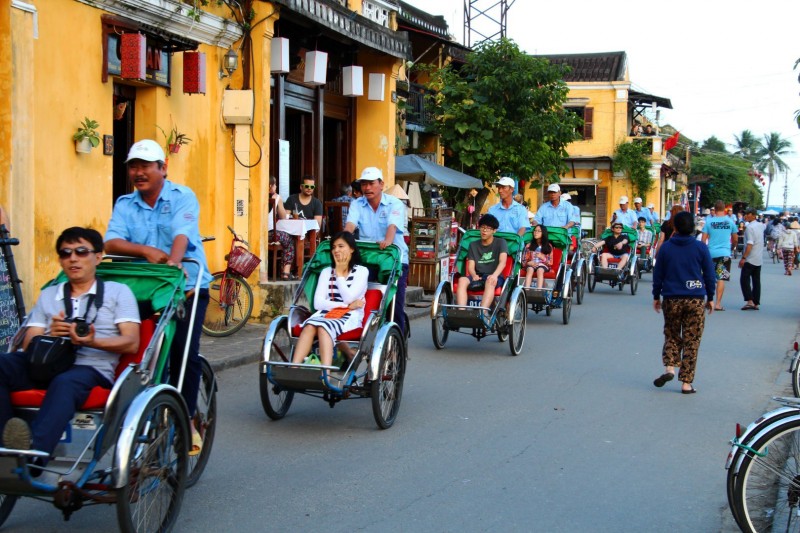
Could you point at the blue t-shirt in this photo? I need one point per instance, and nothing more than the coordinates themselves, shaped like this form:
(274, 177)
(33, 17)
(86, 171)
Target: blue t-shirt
(719, 231)
(512, 218)
(560, 216)
(373, 224)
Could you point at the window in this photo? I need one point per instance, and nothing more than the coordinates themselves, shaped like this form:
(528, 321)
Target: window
(587, 115)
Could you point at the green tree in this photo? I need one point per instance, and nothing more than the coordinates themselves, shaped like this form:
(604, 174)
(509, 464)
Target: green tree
(502, 112)
(632, 158)
(746, 145)
(712, 144)
(768, 157)
(724, 177)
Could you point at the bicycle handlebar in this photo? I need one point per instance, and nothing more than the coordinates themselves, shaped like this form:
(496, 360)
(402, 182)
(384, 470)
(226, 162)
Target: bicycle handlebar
(237, 238)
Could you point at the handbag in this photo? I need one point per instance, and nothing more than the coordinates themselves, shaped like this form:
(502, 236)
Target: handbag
(49, 356)
(336, 312)
(477, 285)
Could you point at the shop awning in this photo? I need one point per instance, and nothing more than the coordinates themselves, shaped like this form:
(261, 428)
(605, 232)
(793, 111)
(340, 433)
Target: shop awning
(415, 168)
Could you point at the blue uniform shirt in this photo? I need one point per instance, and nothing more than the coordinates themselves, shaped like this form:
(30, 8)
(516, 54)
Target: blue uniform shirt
(511, 218)
(648, 218)
(628, 218)
(373, 224)
(175, 213)
(555, 216)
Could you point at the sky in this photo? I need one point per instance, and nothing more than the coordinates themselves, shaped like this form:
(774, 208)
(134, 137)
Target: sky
(725, 66)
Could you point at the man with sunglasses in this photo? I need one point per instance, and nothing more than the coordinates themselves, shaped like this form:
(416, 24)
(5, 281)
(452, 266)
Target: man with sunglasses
(109, 309)
(616, 245)
(305, 205)
(159, 223)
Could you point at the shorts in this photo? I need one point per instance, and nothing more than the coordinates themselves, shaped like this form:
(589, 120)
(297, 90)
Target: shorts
(722, 268)
(540, 266)
(500, 279)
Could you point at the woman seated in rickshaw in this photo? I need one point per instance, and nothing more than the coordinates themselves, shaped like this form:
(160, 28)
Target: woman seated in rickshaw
(538, 257)
(615, 246)
(486, 259)
(338, 299)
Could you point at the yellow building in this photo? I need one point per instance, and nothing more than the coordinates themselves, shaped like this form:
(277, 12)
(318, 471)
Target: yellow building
(246, 121)
(600, 92)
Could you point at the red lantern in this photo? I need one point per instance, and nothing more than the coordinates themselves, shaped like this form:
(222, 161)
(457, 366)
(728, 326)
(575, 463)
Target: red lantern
(133, 49)
(194, 73)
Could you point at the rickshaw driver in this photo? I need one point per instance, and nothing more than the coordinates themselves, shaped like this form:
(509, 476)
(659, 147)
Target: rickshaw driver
(510, 214)
(159, 222)
(555, 212)
(615, 246)
(381, 218)
(113, 330)
(486, 259)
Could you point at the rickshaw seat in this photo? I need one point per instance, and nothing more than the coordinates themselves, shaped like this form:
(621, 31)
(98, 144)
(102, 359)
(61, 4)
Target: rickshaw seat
(372, 302)
(557, 256)
(98, 396)
(499, 289)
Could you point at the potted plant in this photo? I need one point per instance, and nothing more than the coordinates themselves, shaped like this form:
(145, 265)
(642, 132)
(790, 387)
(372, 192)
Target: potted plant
(175, 139)
(87, 136)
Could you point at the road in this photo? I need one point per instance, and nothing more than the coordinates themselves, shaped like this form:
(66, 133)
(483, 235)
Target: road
(569, 436)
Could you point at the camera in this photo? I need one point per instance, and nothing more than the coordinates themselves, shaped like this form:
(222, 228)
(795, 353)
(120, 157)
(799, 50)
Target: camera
(81, 326)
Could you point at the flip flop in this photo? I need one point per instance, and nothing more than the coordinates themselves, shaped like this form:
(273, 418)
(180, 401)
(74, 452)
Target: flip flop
(197, 444)
(663, 378)
(689, 391)
(719, 309)
(749, 307)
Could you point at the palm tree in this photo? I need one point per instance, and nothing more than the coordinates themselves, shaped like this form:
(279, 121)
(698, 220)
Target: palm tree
(768, 157)
(746, 144)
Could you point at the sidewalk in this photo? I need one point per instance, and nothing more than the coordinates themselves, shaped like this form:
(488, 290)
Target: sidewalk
(244, 346)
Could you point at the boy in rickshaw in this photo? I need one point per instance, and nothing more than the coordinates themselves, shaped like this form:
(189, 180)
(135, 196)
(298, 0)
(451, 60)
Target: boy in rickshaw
(615, 246)
(486, 259)
(109, 327)
(644, 239)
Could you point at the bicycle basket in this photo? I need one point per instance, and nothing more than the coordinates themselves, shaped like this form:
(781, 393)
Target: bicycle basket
(242, 261)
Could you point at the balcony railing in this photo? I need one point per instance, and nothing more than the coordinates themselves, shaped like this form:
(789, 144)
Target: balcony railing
(417, 113)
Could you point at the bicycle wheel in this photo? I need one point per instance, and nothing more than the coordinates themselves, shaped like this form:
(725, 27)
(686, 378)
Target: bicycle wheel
(387, 390)
(767, 491)
(229, 306)
(796, 376)
(274, 400)
(151, 499)
(205, 418)
(7, 503)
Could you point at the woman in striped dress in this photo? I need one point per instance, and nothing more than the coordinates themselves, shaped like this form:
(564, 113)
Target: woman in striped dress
(339, 300)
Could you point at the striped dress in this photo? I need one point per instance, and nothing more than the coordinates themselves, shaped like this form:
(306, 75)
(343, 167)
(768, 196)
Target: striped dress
(333, 292)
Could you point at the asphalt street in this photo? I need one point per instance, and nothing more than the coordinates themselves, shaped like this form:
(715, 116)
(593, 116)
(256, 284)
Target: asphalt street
(569, 436)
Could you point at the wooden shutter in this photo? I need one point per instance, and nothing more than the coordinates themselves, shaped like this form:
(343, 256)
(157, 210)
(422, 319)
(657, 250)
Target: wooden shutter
(601, 211)
(588, 120)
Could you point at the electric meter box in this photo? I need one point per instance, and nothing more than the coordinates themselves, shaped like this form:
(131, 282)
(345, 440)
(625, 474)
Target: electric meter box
(237, 106)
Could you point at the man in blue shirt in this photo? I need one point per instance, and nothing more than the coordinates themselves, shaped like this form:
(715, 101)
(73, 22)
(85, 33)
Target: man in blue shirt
(576, 212)
(624, 215)
(719, 234)
(381, 218)
(640, 211)
(555, 213)
(158, 222)
(653, 214)
(513, 216)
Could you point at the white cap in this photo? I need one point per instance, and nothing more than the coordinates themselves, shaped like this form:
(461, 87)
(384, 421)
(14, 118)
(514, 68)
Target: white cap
(371, 174)
(623, 199)
(566, 196)
(146, 150)
(637, 200)
(651, 206)
(505, 181)
(554, 188)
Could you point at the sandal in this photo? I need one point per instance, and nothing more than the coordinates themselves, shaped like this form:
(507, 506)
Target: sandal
(288, 277)
(197, 443)
(663, 378)
(749, 307)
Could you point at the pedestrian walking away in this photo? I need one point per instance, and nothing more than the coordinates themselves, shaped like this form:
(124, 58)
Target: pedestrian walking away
(789, 245)
(719, 233)
(684, 278)
(751, 261)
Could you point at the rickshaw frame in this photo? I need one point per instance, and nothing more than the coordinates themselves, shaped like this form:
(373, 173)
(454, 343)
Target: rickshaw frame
(611, 274)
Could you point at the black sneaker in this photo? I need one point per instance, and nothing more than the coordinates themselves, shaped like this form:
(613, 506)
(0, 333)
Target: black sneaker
(17, 434)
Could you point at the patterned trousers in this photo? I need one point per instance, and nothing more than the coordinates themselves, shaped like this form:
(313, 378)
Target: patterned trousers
(788, 259)
(683, 328)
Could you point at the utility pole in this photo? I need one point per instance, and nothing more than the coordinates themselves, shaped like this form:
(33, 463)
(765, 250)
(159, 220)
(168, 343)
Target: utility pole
(785, 188)
(485, 20)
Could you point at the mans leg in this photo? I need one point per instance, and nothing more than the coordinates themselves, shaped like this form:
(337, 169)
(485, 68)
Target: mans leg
(400, 301)
(693, 319)
(756, 285)
(191, 379)
(13, 376)
(744, 282)
(65, 395)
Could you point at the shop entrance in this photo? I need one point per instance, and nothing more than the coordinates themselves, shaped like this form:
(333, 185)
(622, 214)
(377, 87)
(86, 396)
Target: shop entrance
(585, 197)
(124, 110)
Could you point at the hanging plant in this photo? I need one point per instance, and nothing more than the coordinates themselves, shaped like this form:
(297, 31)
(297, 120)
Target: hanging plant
(87, 136)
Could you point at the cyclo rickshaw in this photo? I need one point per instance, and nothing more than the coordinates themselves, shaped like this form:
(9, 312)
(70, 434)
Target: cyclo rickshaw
(646, 261)
(611, 275)
(559, 295)
(506, 317)
(378, 368)
(577, 264)
(128, 445)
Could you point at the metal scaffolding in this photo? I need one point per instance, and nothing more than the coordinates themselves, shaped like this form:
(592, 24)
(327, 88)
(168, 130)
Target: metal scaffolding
(485, 20)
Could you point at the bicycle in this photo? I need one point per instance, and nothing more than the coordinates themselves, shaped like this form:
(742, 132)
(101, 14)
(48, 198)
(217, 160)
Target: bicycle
(763, 466)
(230, 296)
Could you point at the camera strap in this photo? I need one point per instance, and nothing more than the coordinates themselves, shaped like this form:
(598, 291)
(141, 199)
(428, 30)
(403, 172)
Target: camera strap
(96, 299)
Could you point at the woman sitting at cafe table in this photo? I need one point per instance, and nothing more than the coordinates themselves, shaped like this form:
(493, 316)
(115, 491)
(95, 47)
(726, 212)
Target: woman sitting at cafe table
(339, 300)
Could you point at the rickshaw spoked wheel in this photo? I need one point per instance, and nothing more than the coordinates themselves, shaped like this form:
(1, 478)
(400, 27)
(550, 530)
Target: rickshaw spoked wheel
(275, 401)
(635, 280)
(157, 468)
(566, 307)
(502, 325)
(438, 330)
(205, 418)
(7, 503)
(517, 311)
(386, 390)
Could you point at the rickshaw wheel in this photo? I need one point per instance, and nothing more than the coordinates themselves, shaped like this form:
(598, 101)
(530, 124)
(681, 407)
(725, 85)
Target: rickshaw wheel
(579, 289)
(7, 503)
(592, 280)
(566, 307)
(635, 281)
(548, 310)
(438, 331)
(387, 390)
(517, 315)
(502, 325)
(157, 469)
(276, 402)
(206, 419)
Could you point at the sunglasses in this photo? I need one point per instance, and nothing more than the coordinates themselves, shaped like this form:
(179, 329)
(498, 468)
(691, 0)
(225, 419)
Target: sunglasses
(80, 251)
(616, 226)
(309, 186)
